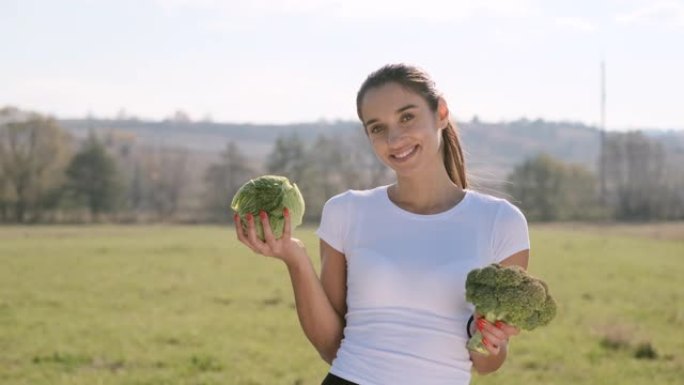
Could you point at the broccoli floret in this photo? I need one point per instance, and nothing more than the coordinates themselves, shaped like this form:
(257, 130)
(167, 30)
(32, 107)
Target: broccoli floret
(511, 295)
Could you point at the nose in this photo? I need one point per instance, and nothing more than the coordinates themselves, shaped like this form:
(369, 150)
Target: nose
(394, 135)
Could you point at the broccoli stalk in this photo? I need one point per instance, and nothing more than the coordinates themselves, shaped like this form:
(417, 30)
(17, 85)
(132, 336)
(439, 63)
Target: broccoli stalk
(510, 295)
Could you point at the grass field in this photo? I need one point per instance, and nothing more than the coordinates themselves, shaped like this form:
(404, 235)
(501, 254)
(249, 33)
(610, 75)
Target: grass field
(188, 305)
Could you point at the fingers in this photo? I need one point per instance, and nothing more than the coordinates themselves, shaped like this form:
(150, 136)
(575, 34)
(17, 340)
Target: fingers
(242, 237)
(251, 235)
(270, 246)
(287, 229)
(490, 330)
(239, 230)
(491, 347)
(493, 338)
(508, 329)
(252, 241)
(268, 233)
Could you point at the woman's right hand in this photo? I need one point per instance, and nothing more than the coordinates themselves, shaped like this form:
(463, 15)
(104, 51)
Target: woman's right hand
(289, 250)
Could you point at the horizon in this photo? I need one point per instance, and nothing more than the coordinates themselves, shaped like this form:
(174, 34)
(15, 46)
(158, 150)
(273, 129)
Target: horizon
(169, 118)
(499, 60)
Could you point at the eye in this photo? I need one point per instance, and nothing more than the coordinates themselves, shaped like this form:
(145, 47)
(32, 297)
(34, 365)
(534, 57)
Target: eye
(406, 117)
(375, 129)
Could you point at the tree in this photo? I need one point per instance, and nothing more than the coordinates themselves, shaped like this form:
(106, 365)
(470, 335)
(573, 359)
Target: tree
(167, 177)
(33, 153)
(362, 158)
(548, 189)
(637, 183)
(327, 167)
(335, 164)
(322, 177)
(181, 117)
(93, 178)
(288, 158)
(536, 184)
(5, 197)
(223, 179)
(580, 200)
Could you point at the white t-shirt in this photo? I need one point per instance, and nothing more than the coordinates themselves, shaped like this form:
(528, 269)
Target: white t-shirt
(406, 309)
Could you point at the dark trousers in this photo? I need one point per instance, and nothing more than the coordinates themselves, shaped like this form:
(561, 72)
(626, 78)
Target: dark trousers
(332, 379)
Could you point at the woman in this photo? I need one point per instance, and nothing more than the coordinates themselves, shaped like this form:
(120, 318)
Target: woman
(389, 307)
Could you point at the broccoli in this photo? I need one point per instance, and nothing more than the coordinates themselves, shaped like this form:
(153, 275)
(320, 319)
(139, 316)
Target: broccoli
(511, 295)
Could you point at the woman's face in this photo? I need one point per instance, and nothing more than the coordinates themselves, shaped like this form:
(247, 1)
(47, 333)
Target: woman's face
(405, 133)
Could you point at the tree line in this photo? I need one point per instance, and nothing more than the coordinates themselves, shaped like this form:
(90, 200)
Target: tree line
(47, 176)
(640, 184)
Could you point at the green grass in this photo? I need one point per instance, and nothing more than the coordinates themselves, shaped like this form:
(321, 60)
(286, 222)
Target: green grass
(189, 305)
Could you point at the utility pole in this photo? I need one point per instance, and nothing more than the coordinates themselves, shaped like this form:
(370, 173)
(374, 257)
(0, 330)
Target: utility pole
(602, 149)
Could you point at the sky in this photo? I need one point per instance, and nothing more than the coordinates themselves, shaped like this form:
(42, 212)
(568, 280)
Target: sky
(285, 61)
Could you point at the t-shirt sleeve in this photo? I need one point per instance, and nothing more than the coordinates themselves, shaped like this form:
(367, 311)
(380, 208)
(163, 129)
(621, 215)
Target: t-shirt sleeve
(334, 223)
(510, 234)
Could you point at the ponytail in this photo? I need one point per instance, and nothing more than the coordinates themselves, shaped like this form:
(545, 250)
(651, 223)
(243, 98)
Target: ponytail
(453, 156)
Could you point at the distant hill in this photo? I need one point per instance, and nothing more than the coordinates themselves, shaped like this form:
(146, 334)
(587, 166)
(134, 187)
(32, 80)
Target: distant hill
(492, 149)
(495, 148)
(255, 139)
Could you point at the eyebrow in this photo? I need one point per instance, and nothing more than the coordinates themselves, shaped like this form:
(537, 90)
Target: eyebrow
(399, 111)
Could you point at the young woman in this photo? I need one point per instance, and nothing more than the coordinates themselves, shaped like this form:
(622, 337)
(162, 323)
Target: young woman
(389, 306)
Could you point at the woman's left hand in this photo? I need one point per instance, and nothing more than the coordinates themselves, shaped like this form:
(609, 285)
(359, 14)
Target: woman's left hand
(495, 336)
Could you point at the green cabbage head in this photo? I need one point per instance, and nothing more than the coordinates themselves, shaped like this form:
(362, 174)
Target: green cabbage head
(270, 193)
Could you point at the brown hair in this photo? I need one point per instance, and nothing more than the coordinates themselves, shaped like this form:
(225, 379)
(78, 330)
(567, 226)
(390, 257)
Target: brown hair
(418, 81)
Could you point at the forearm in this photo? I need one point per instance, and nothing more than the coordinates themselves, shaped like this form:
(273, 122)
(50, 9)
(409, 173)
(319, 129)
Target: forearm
(321, 324)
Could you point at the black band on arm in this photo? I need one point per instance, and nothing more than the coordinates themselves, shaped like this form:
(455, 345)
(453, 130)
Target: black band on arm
(470, 321)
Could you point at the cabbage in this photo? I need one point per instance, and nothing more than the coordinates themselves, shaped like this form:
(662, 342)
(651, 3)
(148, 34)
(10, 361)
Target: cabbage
(270, 193)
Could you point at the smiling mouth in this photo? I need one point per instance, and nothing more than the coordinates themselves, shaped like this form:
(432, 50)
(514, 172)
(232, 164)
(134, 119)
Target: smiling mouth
(405, 154)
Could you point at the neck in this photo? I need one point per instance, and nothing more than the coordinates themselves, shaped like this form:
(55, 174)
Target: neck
(425, 193)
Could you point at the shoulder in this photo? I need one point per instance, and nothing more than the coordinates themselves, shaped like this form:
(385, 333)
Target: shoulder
(492, 203)
(499, 209)
(507, 226)
(339, 212)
